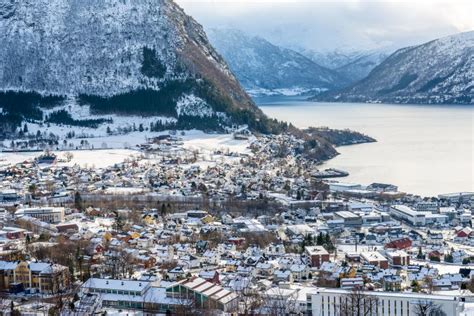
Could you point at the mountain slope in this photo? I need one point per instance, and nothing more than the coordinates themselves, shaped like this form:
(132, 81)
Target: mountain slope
(440, 71)
(260, 65)
(361, 66)
(331, 59)
(128, 57)
(353, 65)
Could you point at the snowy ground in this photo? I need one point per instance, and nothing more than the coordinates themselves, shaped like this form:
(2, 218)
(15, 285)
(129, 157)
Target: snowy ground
(197, 140)
(84, 158)
(110, 150)
(444, 268)
(288, 92)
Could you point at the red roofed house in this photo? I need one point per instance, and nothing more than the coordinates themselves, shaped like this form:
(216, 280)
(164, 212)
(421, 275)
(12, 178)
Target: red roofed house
(464, 233)
(399, 244)
(434, 254)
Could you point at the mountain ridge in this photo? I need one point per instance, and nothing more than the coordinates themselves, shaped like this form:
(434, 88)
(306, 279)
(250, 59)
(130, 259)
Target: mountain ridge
(101, 52)
(436, 72)
(262, 66)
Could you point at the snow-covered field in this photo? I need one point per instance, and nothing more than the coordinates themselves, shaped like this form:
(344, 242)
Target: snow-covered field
(444, 268)
(85, 158)
(196, 140)
(110, 150)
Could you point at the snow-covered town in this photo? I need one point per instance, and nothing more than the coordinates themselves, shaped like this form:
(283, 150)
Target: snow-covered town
(190, 223)
(236, 158)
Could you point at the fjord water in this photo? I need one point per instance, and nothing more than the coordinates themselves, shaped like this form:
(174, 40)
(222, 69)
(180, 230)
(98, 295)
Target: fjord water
(424, 149)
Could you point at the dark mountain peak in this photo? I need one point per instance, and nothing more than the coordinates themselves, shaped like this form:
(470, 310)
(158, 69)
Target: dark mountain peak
(128, 57)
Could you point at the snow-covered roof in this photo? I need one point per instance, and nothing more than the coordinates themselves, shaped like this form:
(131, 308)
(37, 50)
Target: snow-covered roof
(112, 284)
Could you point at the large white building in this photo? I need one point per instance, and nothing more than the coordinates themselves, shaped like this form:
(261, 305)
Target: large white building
(327, 302)
(417, 218)
(408, 214)
(50, 215)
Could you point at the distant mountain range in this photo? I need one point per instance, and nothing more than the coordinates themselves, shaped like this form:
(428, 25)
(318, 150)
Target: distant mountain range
(264, 68)
(439, 72)
(352, 65)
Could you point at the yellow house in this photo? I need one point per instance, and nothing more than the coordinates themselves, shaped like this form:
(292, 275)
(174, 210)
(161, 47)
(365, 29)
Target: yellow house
(107, 236)
(149, 219)
(350, 273)
(207, 219)
(45, 277)
(134, 235)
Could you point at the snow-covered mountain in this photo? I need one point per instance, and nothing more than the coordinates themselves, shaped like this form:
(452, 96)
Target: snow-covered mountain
(331, 59)
(353, 65)
(362, 65)
(262, 67)
(440, 71)
(139, 57)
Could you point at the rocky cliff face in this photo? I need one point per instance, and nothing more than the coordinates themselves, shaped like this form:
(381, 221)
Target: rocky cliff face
(102, 51)
(440, 71)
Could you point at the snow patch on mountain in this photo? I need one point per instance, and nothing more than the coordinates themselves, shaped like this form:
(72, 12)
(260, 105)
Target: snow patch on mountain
(352, 64)
(192, 105)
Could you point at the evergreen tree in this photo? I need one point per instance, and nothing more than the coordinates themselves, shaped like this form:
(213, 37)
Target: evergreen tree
(71, 270)
(119, 224)
(420, 254)
(320, 240)
(78, 201)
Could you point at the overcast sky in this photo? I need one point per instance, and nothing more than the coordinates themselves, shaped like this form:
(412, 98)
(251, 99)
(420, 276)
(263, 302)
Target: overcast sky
(327, 25)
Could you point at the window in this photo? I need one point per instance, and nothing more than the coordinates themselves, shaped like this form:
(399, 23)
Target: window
(329, 305)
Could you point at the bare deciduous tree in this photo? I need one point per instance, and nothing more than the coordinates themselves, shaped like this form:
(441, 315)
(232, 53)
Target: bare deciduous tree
(280, 302)
(428, 282)
(358, 303)
(250, 299)
(428, 308)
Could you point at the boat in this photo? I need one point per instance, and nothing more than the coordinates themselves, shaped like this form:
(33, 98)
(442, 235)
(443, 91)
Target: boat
(330, 173)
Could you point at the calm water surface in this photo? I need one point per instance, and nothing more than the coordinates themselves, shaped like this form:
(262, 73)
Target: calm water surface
(423, 149)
